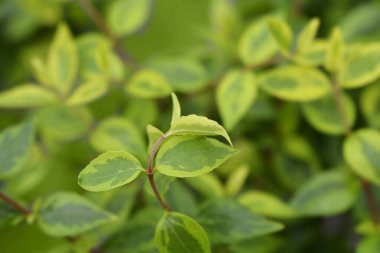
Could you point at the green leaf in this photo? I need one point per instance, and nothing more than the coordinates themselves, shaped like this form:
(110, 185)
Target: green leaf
(15, 146)
(153, 135)
(226, 221)
(184, 75)
(88, 92)
(313, 56)
(335, 50)
(62, 60)
(39, 70)
(266, 204)
(324, 195)
(295, 83)
(148, 84)
(125, 17)
(8, 214)
(209, 185)
(369, 244)
(137, 235)
(307, 35)
(59, 122)
(257, 44)
(109, 170)
(234, 96)
(361, 68)
(197, 125)
(282, 33)
(361, 152)
(370, 105)
(189, 156)
(177, 232)
(69, 214)
(176, 113)
(118, 133)
(324, 115)
(26, 96)
(236, 180)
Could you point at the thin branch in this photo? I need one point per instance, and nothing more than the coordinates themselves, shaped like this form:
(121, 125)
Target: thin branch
(25, 211)
(97, 18)
(150, 172)
(366, 186)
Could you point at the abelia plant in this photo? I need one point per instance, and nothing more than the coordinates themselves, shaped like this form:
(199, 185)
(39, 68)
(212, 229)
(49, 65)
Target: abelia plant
(274, 148)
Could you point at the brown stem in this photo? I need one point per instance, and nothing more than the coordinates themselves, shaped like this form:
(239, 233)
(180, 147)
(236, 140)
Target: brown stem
(25, 211)
(150, 172)
(97, 18)
(366, 186)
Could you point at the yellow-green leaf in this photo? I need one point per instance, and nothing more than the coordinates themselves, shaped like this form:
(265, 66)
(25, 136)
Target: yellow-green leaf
(88, 92)
(361, 68)
(267, 204)
(324, 115)
(15, 145)
(197, 125)
(69, 214)
(324, 195)
(127, 16)
(148, 84)
(334, 56)
(62, 60)
(370, 105)
(117, 134)
(189, 156)
(236, 180)
(153, 135)
(177, 233)
(361, 152)
(109, 170)
(295, 83)
(257, 44)
(176, 112)
(209, 185)
(184, 75)
(234, 95)
(282, 33)
(25, 96)
(307, 35)
(226, 221)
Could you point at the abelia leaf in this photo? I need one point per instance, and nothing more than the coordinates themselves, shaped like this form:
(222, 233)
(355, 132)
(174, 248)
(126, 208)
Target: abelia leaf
(295, 83)
(148, 83)
(234, 96)
(266, 204)
(184, 75)
(191, 156)
(282, 33)
(117, 134)
(197, 125)
(324, 115)
(226, 221)
(62, 60)
(26, 96)
(88, 92)
(153, 135)
(324, 195)
(335, 50)
(176, 112)
(361, 152)
(177, 232)
(69, 214)
(257, 44)
(15, 146)
(128, 16)
(109, 170)
(361, 68)
(307, 35)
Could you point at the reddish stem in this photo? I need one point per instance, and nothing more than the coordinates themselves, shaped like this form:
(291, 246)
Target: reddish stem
(25, 211)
